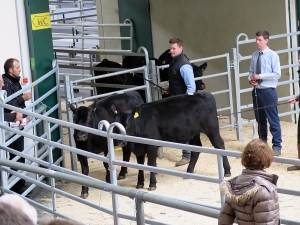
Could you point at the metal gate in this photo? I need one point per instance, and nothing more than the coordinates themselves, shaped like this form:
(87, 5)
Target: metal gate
(242, 85)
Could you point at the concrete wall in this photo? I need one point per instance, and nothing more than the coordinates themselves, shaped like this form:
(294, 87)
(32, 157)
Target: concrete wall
(14, 43)
(210, 27)
(108, 13)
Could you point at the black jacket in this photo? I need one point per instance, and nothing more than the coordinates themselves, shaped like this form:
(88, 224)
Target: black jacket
(11, 86)
(177, 85)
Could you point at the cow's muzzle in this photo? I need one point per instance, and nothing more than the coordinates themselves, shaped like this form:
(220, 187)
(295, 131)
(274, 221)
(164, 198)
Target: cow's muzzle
(81, 136)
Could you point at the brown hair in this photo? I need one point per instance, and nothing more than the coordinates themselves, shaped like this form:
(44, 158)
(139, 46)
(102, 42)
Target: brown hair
(257, 155)
(9, 64)
(263, 33)
(176, 40)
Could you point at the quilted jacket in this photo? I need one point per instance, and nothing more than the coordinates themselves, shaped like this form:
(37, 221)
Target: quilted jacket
(250, 199)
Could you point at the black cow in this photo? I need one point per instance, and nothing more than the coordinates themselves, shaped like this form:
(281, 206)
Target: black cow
(166, 58)
(176, 119)
(119, 79)
(90, 116)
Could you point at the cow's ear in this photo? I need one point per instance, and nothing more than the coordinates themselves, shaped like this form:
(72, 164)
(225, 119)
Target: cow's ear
(94, 105)
(203, 66)
(114, 110)
(72, 108)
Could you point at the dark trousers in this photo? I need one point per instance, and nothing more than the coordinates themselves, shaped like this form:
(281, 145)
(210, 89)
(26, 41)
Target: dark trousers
(18, 145)
(267, 98)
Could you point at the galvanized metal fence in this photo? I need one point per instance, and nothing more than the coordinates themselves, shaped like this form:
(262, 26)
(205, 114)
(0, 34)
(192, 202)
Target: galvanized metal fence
(140, 196)
(291, 84)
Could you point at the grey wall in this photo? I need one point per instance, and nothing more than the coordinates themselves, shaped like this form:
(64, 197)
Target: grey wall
(108, 13)
(210, 27)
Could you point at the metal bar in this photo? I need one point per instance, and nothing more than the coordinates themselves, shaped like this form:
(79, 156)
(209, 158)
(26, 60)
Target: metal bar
(140, 216)
(87, 25)
(112, 167)
(74, 17)
(89, 37)
(131, 193)
(98, 51)
(73, 11)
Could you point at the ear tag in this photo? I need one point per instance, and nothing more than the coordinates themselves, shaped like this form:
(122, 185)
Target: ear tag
(164, 62)
(95, 109)
(116, 112)
(136, 115)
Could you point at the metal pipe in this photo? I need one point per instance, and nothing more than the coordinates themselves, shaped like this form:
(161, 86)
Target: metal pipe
(131, 193)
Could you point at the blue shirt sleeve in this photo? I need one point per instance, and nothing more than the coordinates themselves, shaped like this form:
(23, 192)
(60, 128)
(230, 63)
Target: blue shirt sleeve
(187, 74)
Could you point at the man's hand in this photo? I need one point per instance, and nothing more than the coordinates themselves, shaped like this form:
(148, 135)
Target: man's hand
(166, 90)
(253, 79)
(293, 100)
(26, 96)
(19, 117)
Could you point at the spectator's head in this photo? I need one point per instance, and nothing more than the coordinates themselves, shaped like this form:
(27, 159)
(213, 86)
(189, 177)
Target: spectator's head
(257, 155)
(10, 215)
(60, 222)
(12, 67)
(20, 205)
(262, 39)
(176, 46)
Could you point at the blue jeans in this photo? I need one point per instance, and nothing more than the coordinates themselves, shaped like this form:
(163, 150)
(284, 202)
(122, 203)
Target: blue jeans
(264, 98)
(185, 153)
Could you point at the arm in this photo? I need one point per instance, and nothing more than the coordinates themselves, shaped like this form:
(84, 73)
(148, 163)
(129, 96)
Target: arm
(9, 117)
(187, 74)
(10, 90)
(251, 69)
(294, 99)
(226, 215)
(251, 77)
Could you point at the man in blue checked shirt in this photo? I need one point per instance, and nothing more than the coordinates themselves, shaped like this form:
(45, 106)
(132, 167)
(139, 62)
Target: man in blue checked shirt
(181, 80)
(263, 76)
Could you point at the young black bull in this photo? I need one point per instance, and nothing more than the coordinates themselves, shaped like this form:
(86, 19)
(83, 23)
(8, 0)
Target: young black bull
(176, 119)
(90, 116)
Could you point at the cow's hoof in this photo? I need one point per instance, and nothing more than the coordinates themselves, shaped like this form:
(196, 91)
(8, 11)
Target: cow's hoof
(151, 188)
(227, 175)
(84, 195)
(121, 177)
(139, 186)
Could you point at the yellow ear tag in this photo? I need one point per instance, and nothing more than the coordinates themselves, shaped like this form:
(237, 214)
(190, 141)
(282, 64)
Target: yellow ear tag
(94, 109)
(116, 112)
(164, 62)
(136, 115)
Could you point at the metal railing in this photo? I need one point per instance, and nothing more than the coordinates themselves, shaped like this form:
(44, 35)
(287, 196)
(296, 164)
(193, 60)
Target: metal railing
(140, 196)
(227, 91)
(237, 59)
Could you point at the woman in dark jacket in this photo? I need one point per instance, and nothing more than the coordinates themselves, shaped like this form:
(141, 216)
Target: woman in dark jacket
(251, 198)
